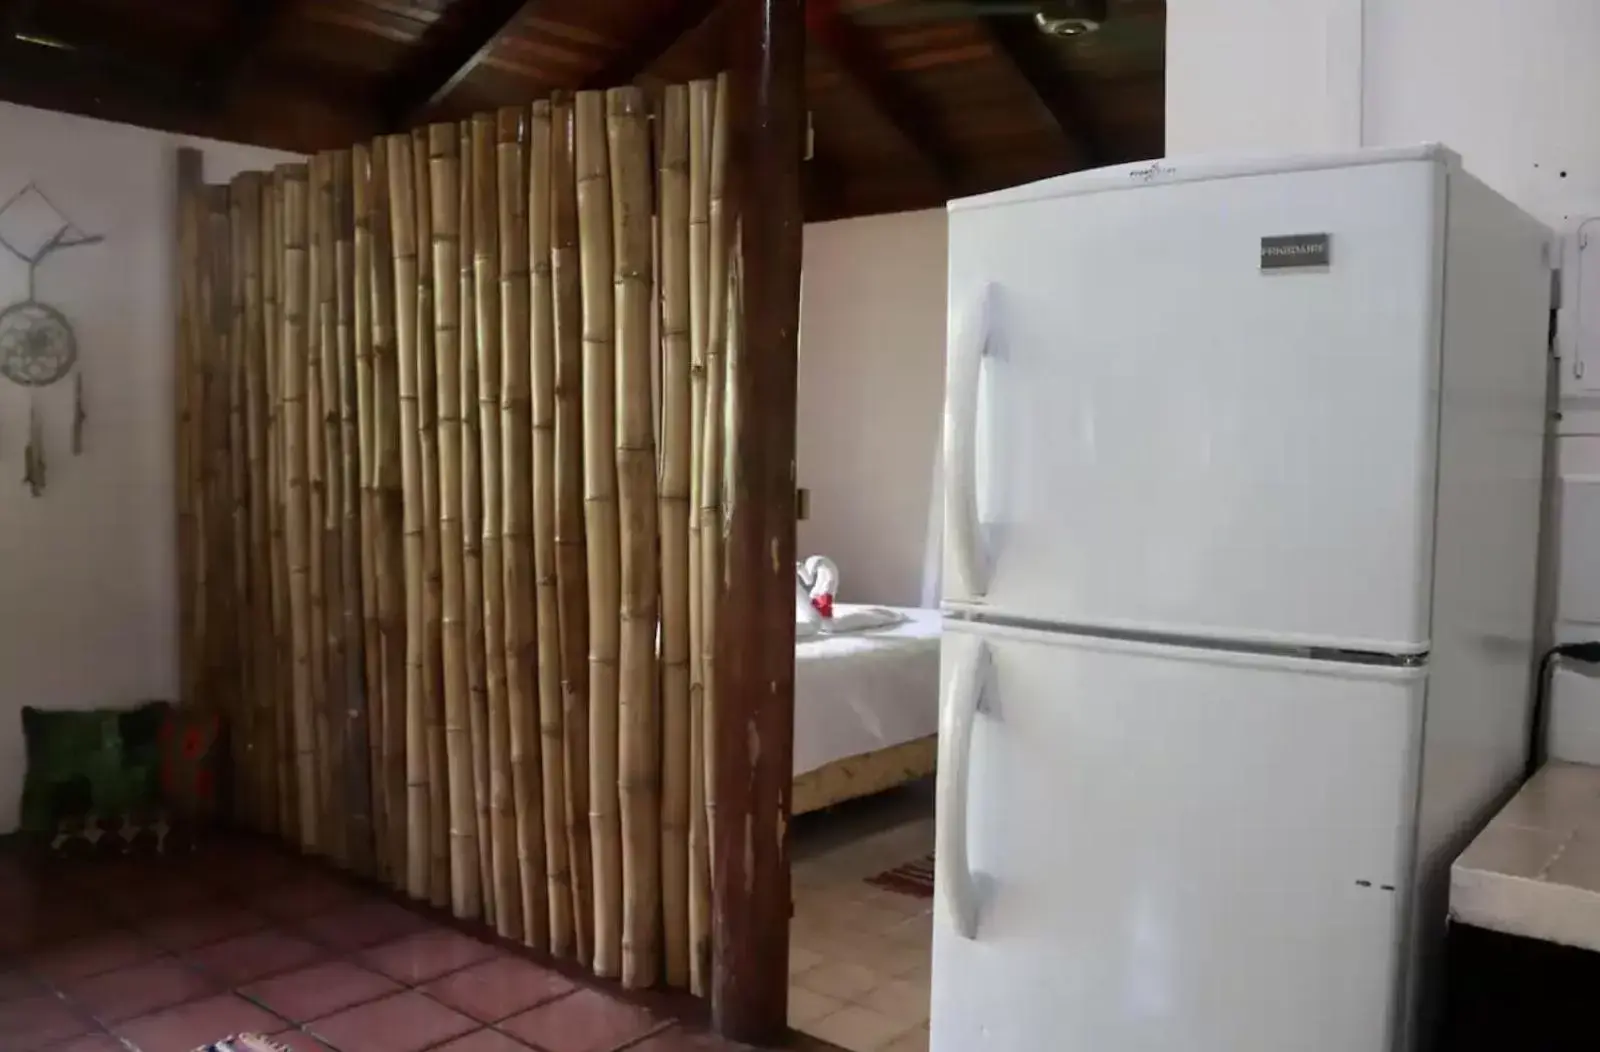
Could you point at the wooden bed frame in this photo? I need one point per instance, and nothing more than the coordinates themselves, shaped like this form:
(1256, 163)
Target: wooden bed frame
(865, 774)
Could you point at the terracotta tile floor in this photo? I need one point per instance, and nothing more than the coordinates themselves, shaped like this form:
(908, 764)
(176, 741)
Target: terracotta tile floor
(164, 954)
(859, 960)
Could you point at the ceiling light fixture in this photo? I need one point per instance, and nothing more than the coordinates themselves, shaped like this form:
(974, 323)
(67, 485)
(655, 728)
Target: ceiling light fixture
(49, 42)
(1064, 27)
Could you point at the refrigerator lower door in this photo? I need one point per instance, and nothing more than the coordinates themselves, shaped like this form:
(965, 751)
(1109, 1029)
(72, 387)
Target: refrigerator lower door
(1169, 850)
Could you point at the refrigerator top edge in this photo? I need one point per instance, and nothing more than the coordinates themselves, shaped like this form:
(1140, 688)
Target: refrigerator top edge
(1168, 170)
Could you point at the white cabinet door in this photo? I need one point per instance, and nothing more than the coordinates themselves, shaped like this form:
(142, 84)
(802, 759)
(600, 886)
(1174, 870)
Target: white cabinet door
(1168, 850)
(1154, 431)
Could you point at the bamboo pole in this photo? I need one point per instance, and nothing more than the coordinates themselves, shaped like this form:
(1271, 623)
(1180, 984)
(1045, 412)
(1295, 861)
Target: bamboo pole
(343, 619)
(334, 756)
(388, 484)
(249, 192)
(639, 719)
(542, 379)
(233, 491)
(280, 731)
(288, 757)
(433, 589)
(472, 524)
(516, 437)
(200, 558)
(403, 210)
(466, 899)
(242, 691)
(297, 516)
(215, 577)
(733, 348)
(712, 524)
(701, 98)
(218, 580)
(673, 279)
(600, 523)
(502, 803)
(320, 298)
(657, 119)
(570, 542)
(357, 759)
(204, 452)
(367, 495)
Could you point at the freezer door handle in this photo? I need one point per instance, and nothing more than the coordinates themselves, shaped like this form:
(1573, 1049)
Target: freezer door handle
(962, 702)
(961, 443)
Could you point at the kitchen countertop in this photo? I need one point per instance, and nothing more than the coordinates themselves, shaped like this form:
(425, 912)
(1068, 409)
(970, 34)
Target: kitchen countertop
(1535, 870)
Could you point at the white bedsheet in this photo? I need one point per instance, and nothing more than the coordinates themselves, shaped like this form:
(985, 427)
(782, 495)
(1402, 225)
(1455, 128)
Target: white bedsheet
(865, 691)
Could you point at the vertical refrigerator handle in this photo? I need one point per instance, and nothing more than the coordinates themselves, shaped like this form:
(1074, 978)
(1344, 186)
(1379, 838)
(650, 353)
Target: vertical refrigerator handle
(952, 870)
(961, 444)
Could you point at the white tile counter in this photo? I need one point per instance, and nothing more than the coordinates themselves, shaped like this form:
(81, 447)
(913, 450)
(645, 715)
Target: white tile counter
(1535, 870)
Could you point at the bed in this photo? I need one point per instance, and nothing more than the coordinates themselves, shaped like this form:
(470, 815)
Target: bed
(866, 710)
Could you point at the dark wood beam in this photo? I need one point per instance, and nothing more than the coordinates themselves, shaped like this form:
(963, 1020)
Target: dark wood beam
(858, 59)
(79, 76)
(1028, 53)
(13, 18)
(89, 72)
(754, 730)
(218, 72)
(448, 52)
(680, 19)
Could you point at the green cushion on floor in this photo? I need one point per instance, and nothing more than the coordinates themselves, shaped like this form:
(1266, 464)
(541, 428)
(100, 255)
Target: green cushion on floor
(102, 762)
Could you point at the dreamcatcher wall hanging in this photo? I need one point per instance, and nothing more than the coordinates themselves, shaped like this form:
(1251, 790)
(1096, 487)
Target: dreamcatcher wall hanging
(37, 345)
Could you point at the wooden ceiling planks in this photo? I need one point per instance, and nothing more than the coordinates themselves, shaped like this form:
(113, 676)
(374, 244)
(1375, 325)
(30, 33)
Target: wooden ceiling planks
(463, 35)
(904, 115)
(678, 20)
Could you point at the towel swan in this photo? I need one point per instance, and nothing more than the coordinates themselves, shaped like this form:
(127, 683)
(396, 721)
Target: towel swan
(816, 584)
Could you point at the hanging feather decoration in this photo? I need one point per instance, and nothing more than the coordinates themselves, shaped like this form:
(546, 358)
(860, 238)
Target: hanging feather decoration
(37, 344)
(33, 471)
(78, 414)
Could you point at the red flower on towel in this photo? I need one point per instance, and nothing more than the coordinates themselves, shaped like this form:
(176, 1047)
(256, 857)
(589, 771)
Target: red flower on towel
(823, 603)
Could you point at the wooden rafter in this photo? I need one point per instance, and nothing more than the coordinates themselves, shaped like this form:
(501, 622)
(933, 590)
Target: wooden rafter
(1021, 47)
(77, 69)
(13, 13)
(681, 18)
(857, 58)
(822, 180)
(218, 72)
(451, 49)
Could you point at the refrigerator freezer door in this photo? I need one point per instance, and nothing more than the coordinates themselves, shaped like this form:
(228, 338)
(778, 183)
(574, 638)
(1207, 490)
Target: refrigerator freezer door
(1149, 427)
(1169, 850)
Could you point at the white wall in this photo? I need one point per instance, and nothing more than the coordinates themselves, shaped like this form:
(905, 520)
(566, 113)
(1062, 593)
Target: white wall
(87, 571)
(872, 327)
(1261, 74)
(1511, 87)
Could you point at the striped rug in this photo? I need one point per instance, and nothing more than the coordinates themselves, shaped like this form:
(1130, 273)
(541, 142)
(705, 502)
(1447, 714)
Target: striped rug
(914, 878)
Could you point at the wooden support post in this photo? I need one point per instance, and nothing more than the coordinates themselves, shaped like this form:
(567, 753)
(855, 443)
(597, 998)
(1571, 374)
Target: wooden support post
(754, 643)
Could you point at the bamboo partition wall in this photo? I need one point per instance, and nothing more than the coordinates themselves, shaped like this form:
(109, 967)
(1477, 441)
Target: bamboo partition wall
(452, 447)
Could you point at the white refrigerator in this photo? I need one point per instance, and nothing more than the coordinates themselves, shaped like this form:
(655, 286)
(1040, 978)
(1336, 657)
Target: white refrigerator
(1243, 467)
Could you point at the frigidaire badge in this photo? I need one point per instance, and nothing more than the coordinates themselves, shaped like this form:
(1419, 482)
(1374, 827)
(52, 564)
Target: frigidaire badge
(1290, 251)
